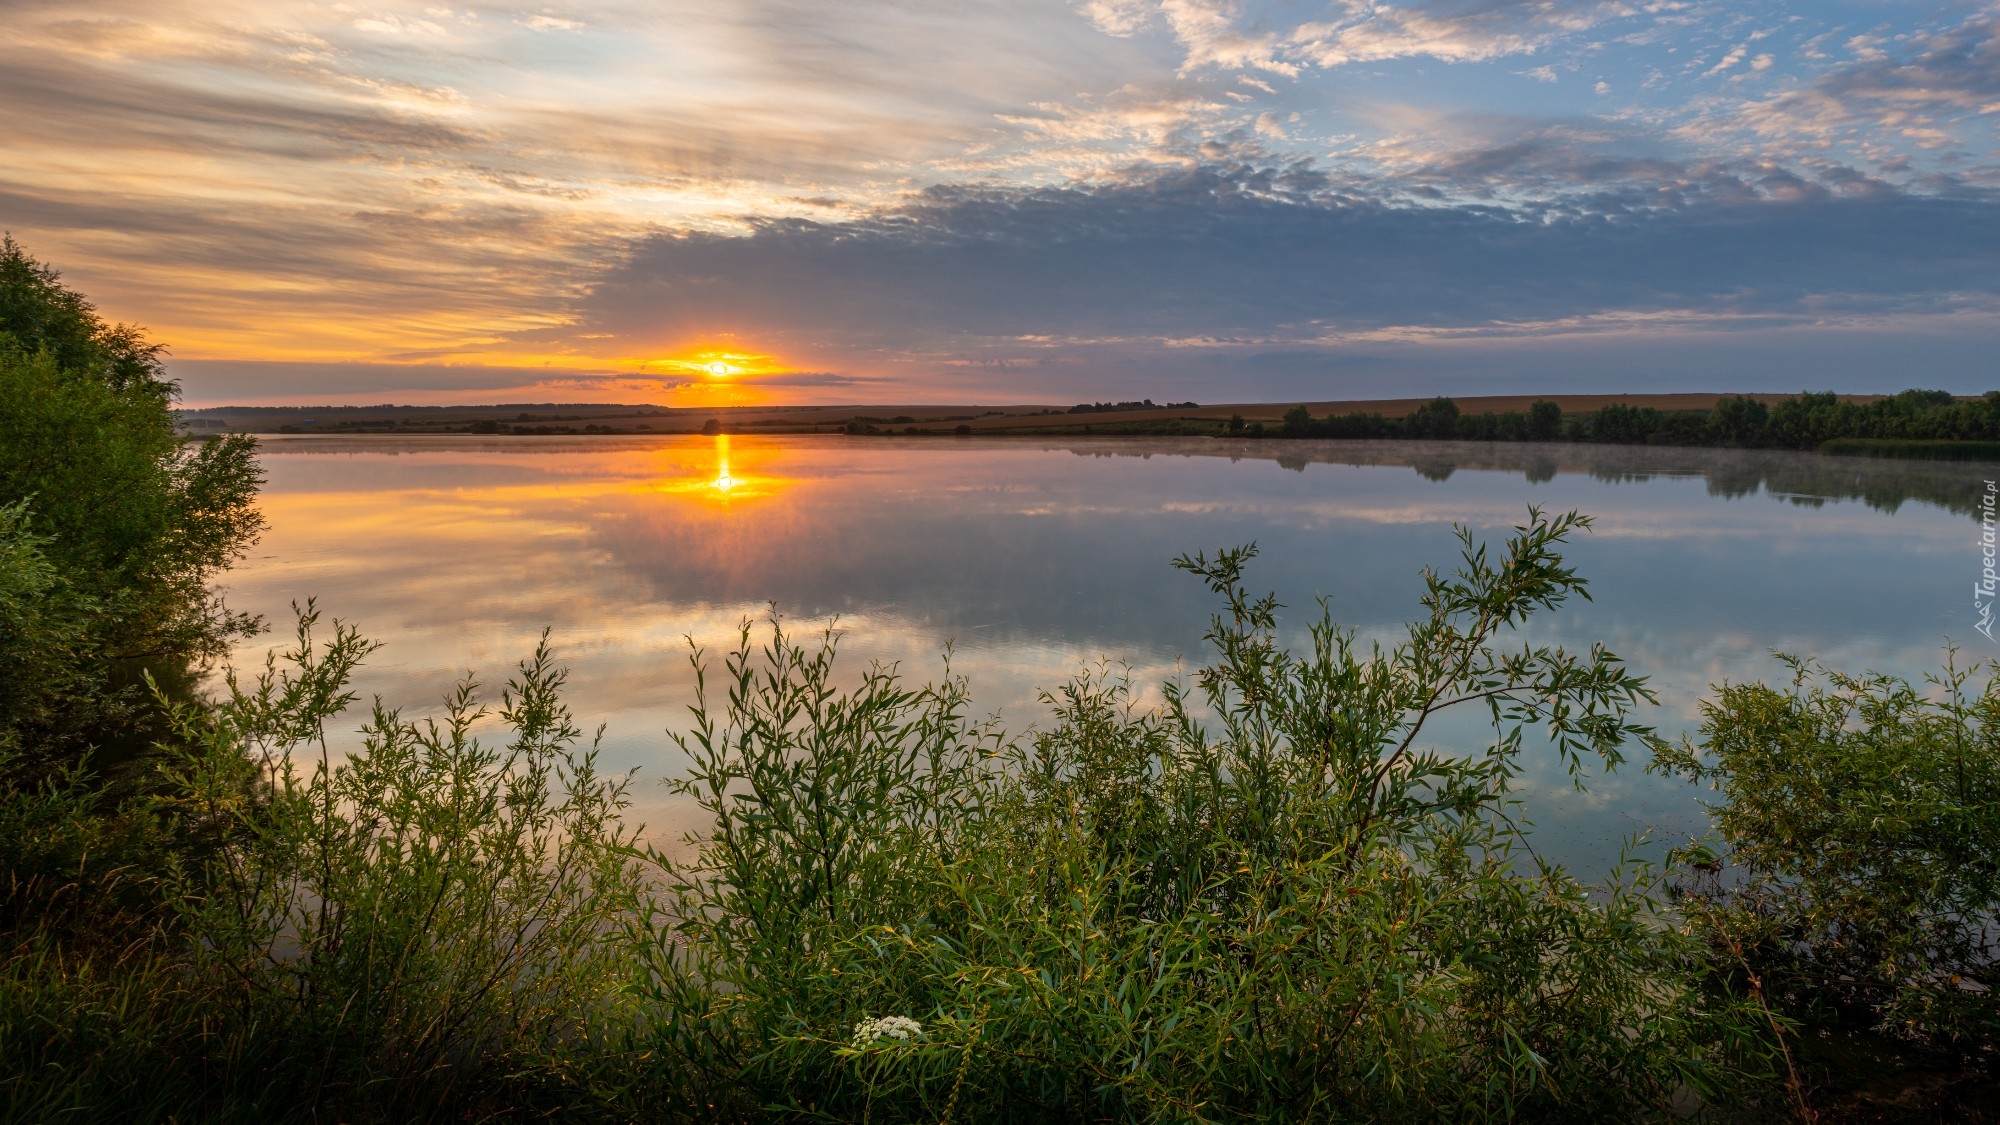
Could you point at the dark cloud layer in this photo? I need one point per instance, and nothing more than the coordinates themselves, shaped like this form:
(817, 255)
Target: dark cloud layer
(215, 382)
(1252, 255)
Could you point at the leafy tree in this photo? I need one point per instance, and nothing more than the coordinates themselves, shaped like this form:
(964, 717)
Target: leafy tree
(1437, 418)
(1804, 420)
(132, 521)
(44, 643)
(41, 314)
(1738, 420)
(1620, 424)
(1544, 421)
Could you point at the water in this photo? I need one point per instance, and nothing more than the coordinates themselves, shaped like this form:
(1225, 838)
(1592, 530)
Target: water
(1035, 558)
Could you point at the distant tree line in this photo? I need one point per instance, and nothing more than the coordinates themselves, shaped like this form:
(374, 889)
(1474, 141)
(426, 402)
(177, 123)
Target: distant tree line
(1804, 421)
(1142, 404)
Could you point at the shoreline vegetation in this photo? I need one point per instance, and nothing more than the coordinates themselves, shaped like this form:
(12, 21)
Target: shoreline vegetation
(1269, 897)
(1919, 424)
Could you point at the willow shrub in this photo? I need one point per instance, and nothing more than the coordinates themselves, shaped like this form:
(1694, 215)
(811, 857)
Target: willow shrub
(413, 924)
(1267, 898)
(1860, 832)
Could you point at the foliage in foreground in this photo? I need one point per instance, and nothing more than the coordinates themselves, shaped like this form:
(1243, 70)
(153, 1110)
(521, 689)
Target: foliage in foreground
(1860, 822)
(112, 529)
(1305, 912)
(1302, 912)
(426, 902)
(423, 925)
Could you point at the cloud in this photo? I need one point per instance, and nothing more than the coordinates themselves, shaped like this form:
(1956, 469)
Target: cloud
(803, 379)
(1729, 60)
(987, 187)
(1275, 255)
(1242, 34)
(269, 179)
(1118, 17)
(544, 22)
(217, 382)
(1942, 80)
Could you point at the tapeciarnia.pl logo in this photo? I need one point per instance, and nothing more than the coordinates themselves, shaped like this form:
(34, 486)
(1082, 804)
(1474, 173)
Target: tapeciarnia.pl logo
(1988, 585)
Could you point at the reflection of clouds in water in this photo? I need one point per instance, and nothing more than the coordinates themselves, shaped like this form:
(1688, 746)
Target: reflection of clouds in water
(456, 553)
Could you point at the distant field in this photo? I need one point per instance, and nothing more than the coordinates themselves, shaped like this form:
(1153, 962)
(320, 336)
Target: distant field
(628, 419)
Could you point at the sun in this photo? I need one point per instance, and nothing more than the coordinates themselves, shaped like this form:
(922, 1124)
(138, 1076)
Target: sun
(712, 374)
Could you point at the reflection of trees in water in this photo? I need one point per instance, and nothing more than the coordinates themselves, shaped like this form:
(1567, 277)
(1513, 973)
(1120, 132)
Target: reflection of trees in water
(1804, 479)
(1811, 479)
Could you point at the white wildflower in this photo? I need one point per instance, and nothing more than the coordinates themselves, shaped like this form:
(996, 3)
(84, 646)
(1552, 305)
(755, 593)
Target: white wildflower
(890, 1029)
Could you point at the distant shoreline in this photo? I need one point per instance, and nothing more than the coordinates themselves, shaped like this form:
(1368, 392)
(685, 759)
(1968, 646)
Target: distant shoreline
(1029, 419)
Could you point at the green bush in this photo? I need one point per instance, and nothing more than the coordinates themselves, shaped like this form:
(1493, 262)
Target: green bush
(1860, 824)
(427, 926)
(75, 857)
(130, 524)
(138, 518)
(45, 643)
(1303, 911)
(418, 918)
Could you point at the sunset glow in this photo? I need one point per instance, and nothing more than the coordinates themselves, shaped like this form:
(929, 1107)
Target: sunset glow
(1041, 202)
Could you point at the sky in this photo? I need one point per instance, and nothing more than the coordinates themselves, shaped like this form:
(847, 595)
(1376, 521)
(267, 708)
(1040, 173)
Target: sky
(903, 201)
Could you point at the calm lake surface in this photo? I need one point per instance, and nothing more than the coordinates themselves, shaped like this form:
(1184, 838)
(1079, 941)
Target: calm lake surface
(1035, 558)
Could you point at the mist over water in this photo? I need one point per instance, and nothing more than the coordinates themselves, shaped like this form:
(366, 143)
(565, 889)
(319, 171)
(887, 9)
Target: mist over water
(1032, 559)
